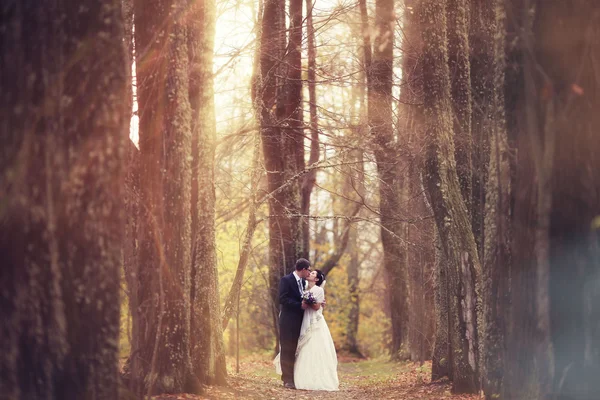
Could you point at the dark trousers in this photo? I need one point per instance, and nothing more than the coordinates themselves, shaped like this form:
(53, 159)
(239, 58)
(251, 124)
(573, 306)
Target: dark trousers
(289, 342)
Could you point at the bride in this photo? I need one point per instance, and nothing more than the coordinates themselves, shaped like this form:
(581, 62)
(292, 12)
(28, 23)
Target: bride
(316, 360)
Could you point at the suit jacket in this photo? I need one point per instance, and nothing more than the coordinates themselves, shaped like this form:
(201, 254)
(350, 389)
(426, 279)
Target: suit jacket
(291, 312)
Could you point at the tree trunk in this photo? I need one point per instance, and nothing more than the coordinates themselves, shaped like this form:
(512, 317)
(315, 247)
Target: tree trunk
(279, 151)
(165, 146)
(310, 179)
(490, 118)
(207, 346)
(379, 83)
(354, 188)
(442, 355)
(482, 83)
(557, 195)
(293, 129)
(449, 209)
(460, 89)
(279, 226)
(62, 182)
(418, 245)
(351, 345)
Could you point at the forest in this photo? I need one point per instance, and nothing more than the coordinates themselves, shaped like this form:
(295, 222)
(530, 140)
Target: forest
(165, 163)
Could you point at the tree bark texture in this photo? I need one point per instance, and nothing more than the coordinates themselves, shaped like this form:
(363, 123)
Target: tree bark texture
(207, 346)
(482, 83)
(293, 129)
(310, 179)
(450, 211)
(279, 152)
(460, 73)
(496, 255)
(458, 12)
(441, 358)
(418, 233)
(62, 182)
(379, 81)
(162, 67)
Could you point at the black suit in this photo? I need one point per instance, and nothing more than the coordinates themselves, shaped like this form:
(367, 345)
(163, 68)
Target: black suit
(290, 322)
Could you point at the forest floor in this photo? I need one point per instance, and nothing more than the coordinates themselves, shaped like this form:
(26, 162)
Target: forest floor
(359, 379)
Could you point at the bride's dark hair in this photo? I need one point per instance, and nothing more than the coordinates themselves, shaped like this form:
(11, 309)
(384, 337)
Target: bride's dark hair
(320, 277)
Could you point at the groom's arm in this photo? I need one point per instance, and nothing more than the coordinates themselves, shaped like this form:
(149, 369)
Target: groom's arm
(285, 297)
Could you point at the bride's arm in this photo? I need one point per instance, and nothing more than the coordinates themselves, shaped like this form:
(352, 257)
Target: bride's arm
(320, 297)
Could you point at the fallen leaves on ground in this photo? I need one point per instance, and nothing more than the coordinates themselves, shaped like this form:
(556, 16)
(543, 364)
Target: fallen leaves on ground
(359, 379)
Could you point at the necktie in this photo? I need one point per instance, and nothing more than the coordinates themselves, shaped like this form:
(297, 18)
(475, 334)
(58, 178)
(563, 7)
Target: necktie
(300, 286)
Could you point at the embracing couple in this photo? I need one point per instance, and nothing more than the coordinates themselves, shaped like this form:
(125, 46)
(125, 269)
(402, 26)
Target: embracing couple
(307, 359)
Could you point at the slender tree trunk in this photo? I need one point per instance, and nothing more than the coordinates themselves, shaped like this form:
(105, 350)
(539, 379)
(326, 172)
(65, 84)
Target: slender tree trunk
(232, 301)
(207, 346)
(442, 183)
(310, 179)
(353, 189)
(165, 145)
(351, 344)
(62, 182)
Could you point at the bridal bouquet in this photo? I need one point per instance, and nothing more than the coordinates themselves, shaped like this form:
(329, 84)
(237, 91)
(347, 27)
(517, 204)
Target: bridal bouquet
(309, 298)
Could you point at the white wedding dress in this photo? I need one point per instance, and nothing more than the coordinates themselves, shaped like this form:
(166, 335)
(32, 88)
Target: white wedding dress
(316, 359)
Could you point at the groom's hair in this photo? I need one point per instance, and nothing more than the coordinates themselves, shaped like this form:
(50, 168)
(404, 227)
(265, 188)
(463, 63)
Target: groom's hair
(320, 277)
(301, 264)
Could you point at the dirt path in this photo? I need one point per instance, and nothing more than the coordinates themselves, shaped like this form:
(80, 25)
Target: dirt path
(359, 379)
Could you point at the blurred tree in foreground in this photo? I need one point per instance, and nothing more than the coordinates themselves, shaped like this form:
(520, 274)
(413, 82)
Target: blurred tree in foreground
(63, 105)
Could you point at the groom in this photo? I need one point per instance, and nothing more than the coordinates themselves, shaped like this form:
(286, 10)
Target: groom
(291, 288)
